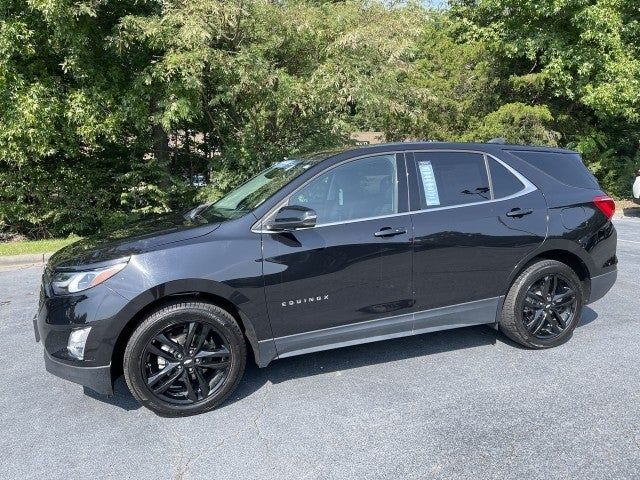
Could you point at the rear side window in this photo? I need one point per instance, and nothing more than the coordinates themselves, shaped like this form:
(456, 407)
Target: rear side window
(564, 167)
(503, 181)
(451, 178)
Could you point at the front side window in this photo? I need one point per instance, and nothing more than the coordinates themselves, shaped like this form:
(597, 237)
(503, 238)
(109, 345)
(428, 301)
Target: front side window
(359, 189)
(451, 178)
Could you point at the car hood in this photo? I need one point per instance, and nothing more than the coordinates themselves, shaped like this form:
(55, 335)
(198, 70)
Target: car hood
(133, 238)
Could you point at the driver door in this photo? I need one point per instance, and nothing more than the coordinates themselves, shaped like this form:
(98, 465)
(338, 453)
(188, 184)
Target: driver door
(348, 278)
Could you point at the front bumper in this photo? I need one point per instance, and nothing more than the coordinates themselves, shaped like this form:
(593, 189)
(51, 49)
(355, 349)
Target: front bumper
(95, 378)
(100, 308)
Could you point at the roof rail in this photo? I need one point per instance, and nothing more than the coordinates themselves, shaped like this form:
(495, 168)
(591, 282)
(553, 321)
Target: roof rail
(498, 140)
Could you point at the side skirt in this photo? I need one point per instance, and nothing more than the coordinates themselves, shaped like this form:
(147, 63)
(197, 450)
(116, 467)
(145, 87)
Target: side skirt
(462, 315)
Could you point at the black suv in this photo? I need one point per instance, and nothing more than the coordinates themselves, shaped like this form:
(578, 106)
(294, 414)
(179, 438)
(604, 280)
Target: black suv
(327, 251)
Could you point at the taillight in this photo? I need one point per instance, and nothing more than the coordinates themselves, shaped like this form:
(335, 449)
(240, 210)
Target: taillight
(605, 204)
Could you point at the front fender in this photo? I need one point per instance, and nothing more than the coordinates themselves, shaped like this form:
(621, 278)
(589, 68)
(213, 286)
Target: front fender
(256, 328)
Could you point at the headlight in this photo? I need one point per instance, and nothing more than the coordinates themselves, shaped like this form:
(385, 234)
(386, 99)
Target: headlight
(72, 282)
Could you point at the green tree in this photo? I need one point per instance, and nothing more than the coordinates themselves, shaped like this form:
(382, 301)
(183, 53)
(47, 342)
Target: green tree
(259, 80)
(577, 58)
(108, 107)
(73, 125)
(453, 90)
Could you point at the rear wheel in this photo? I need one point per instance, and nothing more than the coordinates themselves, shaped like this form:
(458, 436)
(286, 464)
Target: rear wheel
(185, 358)
(543, 305)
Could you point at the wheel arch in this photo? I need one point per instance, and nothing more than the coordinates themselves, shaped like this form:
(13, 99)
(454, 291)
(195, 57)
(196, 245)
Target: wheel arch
(570, 258)
(208, 291)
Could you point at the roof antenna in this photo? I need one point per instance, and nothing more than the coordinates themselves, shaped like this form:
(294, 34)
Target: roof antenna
(498, 140)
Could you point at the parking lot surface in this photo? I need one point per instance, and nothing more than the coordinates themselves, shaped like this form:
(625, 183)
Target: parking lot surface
(463, 403)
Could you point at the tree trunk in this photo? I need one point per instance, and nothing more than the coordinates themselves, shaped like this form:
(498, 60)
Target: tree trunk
(160, 146)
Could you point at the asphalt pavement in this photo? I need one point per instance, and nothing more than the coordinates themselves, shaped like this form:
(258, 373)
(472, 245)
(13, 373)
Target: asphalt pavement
(463, 403)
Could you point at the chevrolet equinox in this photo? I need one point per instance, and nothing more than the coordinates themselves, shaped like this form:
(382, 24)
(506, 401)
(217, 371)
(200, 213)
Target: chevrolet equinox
(326, 251)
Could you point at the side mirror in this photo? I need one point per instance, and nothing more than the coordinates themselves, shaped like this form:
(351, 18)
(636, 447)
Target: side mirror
(291, 217)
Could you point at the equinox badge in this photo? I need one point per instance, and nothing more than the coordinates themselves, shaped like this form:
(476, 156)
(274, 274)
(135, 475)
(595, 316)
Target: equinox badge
(300, 301)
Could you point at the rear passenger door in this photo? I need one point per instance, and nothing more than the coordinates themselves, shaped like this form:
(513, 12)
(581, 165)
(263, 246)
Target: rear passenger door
(474, 219)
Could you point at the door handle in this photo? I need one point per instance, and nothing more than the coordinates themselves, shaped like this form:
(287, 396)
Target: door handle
(518, 212)
(389, 232)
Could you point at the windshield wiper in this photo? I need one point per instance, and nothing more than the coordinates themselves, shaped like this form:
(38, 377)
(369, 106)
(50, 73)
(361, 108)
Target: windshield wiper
(196, 212)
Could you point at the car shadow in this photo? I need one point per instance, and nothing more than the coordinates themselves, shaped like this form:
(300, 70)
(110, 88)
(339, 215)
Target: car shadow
(368, 354)
(121, 397)
(588, 316)
(346, 358)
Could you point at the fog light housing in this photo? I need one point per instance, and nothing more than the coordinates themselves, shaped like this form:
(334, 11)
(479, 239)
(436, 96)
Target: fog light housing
(77, 341)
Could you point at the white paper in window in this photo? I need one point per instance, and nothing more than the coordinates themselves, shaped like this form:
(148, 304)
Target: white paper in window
(429, 184)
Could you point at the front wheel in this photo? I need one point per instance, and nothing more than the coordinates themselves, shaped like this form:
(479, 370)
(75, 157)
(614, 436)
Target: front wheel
(543, 305)
(185, 358)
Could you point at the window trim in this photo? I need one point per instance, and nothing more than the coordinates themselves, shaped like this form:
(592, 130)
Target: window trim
(489, 179)
(403, 159)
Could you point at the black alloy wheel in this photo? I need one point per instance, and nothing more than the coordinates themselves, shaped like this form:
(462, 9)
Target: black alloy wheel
(543, 305)
(186, 362)
(549, 307)
(185, 358)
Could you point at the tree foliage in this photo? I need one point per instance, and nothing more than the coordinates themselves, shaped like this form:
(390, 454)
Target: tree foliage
(109, 107)
(580, 59)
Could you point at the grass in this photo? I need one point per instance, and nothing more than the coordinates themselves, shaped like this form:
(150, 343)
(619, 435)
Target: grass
(34, 246)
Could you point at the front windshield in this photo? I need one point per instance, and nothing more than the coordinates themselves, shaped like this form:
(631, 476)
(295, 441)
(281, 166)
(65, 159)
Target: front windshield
(250, 195)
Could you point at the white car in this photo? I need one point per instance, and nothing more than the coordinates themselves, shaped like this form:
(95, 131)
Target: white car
(636, 188)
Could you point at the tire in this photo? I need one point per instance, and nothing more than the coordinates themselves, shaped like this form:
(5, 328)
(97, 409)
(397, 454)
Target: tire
(159, 345)
(520, 316)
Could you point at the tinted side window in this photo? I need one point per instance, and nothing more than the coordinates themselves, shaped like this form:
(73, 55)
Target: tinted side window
(359, 189)
(504, 182)
(451, 178)
(564, 167)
